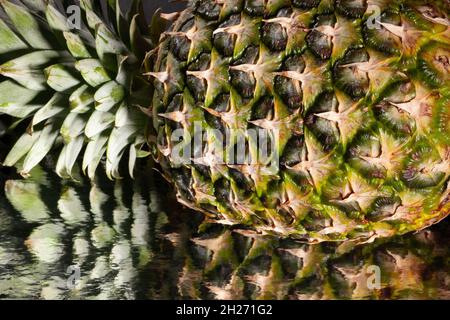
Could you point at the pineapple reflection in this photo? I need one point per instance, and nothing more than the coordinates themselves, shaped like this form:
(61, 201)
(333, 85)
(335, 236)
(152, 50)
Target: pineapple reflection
(124, 240)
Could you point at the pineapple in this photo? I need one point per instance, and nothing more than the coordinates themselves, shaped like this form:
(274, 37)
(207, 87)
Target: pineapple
(127, 247)
(354, 107)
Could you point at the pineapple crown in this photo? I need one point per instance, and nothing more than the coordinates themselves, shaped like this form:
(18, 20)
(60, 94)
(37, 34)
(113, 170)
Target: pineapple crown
(74, 74)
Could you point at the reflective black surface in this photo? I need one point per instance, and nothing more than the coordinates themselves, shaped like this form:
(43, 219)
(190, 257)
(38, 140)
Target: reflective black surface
(129, 240)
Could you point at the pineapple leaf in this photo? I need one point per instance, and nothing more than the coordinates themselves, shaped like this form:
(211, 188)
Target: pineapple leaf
(21, 148)
(92, 72)
(9, 40)
(27, 25)
(41, 148)
(108, 95)
(95, 150)
(54, 107)
(60, 78)
(98, 122)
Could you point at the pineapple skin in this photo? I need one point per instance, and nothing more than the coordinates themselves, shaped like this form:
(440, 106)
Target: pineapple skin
(360, 111)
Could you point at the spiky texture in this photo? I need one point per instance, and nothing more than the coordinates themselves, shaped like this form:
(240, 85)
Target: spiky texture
(129, 245)
(358, 109)
(360, 114)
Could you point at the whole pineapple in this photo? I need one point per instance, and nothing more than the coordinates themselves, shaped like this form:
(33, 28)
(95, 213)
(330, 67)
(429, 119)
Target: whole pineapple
(126, 247)
(354, 105)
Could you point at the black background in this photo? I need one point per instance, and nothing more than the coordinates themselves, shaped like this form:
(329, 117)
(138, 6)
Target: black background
(166, 5)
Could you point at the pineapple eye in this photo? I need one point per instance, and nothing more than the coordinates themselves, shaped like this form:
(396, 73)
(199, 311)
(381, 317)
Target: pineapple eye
(250, 56)
(381, 38)
(290, 265)
(254, 7)
(424, 168)
(443, 62)
(293, 151)
(402, 91)
(351, 8)
(294, 63)
(393, 118)
(196, 85)
(316, 221)
(366, 145)
(274, 36)
(261, 264)
(203, 170)
(183, 180)
(284, 12)
(324, 129)
(215, 122)
(262, 108)
(243, 82)
(224, 42)
(179, 46)
(222, 192)
(348, 75)
(434, 63)
(221, 102)
(382, 208)
(245, 186)
(290, 90)
(176, 104)
(207, 9)
(305, 4)
(319, 42)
